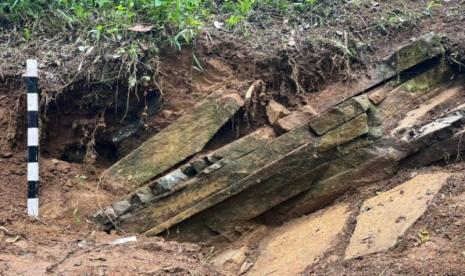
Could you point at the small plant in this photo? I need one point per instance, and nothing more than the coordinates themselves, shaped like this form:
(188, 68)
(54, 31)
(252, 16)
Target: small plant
(240, 11)
(81, 178)
(77, 217)
(433, 5)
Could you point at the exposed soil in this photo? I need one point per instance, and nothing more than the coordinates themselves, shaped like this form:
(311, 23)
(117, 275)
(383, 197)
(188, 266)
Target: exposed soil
(77, 146)
(64, 241)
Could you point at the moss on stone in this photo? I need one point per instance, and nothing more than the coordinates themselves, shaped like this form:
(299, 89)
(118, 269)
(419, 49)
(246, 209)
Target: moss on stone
(429, 79)
(422, 49)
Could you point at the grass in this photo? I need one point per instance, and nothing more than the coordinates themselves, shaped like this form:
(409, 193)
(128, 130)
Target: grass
(106, 19)
(110, 19)
(102, 31)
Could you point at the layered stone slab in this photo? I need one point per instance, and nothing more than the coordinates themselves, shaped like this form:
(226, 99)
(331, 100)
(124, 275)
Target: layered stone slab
(293, 247)
(381, 222)
(422, 49)
(294, 172)
(183, 138)
(283, 159)
(175, 180)
(353, 141)
(209, 189)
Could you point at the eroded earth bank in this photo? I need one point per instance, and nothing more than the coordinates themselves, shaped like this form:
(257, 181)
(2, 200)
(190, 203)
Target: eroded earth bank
(284, 158)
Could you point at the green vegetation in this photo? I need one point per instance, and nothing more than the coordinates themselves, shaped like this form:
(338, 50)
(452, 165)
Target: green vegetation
(123, 30)
(121, 36)
(107, 19)
(110, 19)
(176, 21)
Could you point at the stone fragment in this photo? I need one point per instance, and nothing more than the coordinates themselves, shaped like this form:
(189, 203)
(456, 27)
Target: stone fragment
(167, 182)
(231, 259)
(144, 194)
(296, 118)
(377, 96)
(340, 114)
(215, 166)
(381, 222)
(199, 164)
(183, 138)
(275, 110)
(440, 129)
(294, 246)
(448, 150)
(344, 133)
(121, 206)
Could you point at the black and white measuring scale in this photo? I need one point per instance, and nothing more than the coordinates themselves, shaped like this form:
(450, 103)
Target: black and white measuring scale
(32, 85)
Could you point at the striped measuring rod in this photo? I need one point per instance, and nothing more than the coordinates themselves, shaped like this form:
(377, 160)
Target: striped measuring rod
(32, 85)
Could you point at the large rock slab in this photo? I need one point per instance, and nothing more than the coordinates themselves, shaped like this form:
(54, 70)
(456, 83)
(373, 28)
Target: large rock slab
(183, 138)
(414, 116)
(358, 168)
(381, 220)
(419, 50)
(174, 180)
(293, 247)
(422, 49)
(211, 188)
(344, 133)
(340, 114)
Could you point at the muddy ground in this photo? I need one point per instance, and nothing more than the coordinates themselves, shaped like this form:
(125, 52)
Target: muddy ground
(66, 241)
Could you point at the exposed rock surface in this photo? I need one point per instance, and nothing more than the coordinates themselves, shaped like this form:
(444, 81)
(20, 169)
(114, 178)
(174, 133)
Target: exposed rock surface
(385, 218)
(185, 137)
(290, 249)
(176, 180)
(353, 141)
